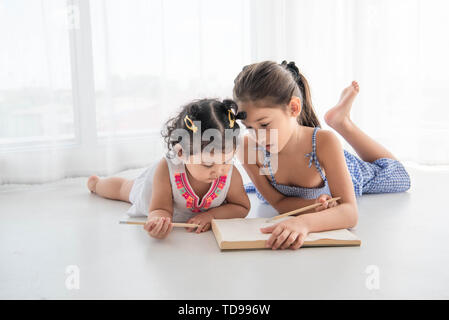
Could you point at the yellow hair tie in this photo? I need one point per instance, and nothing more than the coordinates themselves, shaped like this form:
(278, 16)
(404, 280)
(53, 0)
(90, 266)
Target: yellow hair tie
(191, 126)
(231, 120)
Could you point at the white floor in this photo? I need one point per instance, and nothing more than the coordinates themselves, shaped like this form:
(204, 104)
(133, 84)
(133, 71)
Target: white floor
(46, 228)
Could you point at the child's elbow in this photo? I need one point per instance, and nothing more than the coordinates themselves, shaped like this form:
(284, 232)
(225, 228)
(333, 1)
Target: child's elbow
(353, 221)
(353, 217)
(245, 211)
(245, 207)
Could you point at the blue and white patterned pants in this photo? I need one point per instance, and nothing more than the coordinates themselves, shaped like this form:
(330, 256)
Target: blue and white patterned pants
(381, 176)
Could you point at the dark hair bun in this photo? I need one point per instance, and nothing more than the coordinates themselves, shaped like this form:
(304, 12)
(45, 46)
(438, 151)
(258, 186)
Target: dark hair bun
(291, 66)
(230, 104)
(241, 115)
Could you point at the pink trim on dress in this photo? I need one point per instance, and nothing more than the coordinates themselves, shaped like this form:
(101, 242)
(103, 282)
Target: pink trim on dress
(207, 199)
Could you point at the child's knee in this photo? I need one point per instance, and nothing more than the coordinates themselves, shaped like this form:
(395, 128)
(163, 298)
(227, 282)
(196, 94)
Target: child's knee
(403, 178)
(125, 189)
(405, 182)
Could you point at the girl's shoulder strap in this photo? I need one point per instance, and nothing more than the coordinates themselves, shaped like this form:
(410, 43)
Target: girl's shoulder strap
(267, 162)
(315, 130)
(313, 155)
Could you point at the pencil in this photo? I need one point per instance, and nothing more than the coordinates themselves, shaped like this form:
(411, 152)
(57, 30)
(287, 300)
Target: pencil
(175, 224)
(312, 206)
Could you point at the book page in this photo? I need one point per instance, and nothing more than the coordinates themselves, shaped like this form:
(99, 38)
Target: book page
(246, 229)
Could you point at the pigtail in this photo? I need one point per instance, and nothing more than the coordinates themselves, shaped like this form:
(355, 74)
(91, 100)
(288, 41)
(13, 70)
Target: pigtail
(307, 117)
(231, 109)
(231, 104)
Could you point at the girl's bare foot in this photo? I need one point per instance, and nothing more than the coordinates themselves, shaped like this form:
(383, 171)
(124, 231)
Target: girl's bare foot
(92, 183)
(338, 116)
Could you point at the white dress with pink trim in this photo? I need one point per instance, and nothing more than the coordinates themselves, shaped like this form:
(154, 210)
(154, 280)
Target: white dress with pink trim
(186, 203)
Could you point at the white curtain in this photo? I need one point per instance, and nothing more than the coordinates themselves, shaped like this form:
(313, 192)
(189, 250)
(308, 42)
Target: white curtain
(396, 49)
(85, 86)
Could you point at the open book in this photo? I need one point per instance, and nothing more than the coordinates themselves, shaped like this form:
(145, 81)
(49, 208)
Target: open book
(245, 234)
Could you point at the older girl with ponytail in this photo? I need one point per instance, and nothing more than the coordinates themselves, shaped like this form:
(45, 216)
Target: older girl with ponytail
(311, 164)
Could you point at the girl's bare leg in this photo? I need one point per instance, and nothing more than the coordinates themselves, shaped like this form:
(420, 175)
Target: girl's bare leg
(338, 118)
(115, 188)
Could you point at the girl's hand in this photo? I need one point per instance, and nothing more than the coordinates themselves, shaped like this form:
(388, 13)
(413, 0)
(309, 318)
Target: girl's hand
(203, 220)
(325, 204)
(158, 227)
(286, 234)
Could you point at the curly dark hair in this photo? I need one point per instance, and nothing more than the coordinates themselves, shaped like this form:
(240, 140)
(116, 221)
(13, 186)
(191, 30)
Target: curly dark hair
(208, 114)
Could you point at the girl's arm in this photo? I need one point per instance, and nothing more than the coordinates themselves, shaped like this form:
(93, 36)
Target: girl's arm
(293, 232)
(161, 205)
(333, 161)
(276, 199)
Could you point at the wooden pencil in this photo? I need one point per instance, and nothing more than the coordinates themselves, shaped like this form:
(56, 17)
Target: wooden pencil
(312, 206)
(175, 224)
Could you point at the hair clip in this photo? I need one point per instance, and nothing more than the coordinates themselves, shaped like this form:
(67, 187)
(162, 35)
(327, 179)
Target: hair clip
(231, 119)
(190, 125)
